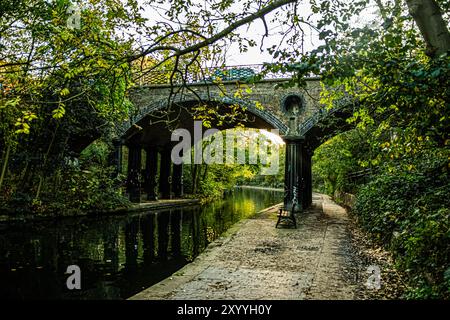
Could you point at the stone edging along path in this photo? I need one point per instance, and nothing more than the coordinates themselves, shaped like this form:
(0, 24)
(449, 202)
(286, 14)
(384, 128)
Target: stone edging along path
(254, 260)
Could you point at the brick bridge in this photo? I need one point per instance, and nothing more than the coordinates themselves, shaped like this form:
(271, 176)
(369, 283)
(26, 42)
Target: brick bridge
(164, 102)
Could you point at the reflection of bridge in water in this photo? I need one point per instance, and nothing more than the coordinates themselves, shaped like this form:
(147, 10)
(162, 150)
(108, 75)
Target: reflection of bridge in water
(118, 256)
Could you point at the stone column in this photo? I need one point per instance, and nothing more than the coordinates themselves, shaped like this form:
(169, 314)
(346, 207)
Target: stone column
(134, 173)
(164, 173)
(293, 168)
(151, 171)
(177, 180)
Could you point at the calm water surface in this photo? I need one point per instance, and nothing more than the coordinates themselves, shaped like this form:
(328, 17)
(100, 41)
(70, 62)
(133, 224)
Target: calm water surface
(118, 256)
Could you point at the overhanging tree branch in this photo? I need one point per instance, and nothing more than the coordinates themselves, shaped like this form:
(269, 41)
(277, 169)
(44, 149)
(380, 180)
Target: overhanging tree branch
(220, 35)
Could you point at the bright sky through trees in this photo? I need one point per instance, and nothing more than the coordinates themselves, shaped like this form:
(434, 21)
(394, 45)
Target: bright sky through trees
(256, 31)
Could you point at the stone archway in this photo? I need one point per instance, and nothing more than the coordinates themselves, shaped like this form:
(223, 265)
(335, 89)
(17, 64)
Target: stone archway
(145, 132)
(267, 116)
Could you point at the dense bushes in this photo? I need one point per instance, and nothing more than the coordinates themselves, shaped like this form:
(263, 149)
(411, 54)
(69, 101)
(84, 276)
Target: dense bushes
(335, 159)
(91, 184)
(403, 204)
(400, 99)
(87, 184)
(88, 191)
(209, 182)
(409, 213)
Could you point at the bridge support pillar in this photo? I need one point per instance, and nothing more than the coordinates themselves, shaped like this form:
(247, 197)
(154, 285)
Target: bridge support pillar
(177, 181)
(165, 178)
(151, 170)
(293, 168)
(134, 172)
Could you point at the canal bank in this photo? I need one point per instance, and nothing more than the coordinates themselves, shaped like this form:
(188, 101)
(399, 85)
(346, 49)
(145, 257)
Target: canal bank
(254, 260)
(135, 207)
(261, 188)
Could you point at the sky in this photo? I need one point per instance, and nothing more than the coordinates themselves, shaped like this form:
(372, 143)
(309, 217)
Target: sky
(255, 31)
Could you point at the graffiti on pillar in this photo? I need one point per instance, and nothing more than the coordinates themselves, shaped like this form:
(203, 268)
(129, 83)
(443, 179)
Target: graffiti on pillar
(294, 196)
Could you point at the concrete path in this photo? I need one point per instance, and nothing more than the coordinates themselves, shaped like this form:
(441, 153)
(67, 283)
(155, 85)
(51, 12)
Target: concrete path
(256, 261)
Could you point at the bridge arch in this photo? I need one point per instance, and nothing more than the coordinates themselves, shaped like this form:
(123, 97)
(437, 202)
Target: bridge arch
(145, 131)
(265, 119)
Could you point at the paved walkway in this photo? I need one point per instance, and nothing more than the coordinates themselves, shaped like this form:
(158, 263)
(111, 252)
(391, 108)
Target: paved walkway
(256, 261)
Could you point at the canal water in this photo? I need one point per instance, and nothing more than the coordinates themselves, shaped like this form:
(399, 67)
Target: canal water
(118, 255)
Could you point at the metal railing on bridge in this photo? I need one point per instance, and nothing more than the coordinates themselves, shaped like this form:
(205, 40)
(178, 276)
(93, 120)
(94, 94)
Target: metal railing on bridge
(210, 75)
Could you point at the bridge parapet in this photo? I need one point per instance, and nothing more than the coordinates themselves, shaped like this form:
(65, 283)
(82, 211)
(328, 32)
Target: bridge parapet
(210, 75)
(268, 93)
(265, 89)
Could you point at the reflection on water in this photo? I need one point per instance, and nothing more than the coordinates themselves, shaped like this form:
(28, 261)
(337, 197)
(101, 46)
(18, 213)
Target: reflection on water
(118, 256)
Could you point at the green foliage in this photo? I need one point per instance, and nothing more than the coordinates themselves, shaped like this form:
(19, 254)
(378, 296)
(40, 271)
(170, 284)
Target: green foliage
(409, 213)
(81, 186)
(91, 185)
(95, 154)
(251, 174)
(338, 157)
(400, 99)
(213, 187)
(90, 190)
(213, 180)
(68, 91)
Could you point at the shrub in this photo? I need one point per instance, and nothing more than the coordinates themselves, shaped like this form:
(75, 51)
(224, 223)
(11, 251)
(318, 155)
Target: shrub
(409, 214)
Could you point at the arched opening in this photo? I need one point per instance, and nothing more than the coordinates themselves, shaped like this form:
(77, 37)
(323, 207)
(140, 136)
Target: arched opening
(293, 104)
(145, 150)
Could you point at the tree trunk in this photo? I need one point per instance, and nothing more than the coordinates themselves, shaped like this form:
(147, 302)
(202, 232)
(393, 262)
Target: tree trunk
(194, 179)
(41, 174)
(5, 164)
(205, 172)
(24, 177)
(433, 28)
